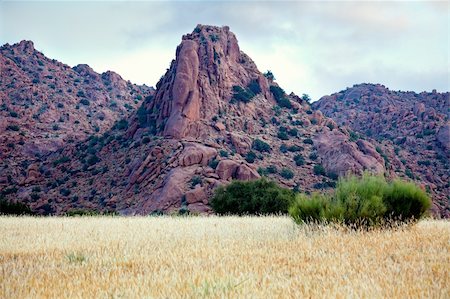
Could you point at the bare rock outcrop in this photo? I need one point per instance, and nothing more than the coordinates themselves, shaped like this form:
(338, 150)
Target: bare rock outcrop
(340, 156)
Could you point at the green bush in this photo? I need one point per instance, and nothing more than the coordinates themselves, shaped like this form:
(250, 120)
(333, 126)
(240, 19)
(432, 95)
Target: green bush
(308, 141)
(242, 95)
(365, 201)
(269, 75)
(299, 160)
(14, 208)
(250, 157)
(283, 135)
(279, 95)
(287, 173)
(254, 87)
(319, 170)
(85, 102)
(251, 197)
(261, 146)
(405, 200)
(13, 128)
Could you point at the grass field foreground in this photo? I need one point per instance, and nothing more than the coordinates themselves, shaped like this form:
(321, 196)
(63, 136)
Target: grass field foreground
(192, 257)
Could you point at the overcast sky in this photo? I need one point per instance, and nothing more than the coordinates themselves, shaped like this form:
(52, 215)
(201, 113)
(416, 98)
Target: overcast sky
(316, 47)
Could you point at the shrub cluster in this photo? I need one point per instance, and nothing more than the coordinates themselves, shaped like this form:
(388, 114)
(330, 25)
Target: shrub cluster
(261, 146)
(365, 201)
(14, 208)
(251, 197)
(246, 94)
(280, 97)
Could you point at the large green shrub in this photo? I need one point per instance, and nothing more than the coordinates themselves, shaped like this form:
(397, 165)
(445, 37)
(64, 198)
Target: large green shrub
(251, 197)
(14, 208)
(365, 201)
(405, 200)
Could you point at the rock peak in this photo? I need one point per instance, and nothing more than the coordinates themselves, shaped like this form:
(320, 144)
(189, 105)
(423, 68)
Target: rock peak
(200, 81)
(24, 46)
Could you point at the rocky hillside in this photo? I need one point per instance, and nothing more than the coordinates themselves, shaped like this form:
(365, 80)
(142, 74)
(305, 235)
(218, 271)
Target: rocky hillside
(214, 118)
(414, 126)
(45, 104)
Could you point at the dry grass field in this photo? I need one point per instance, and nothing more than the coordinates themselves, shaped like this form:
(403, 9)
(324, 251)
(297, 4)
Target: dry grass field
(231, 257)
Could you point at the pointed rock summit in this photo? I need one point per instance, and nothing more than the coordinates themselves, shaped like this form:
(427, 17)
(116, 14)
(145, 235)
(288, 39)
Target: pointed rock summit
(200, 82)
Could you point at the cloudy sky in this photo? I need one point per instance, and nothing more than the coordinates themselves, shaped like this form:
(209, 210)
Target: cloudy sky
(316, 47)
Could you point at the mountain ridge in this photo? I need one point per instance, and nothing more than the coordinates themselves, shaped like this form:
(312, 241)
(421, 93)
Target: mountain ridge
(213, 118)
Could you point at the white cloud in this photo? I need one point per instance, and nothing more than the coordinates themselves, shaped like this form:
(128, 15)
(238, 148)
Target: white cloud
(312, 47)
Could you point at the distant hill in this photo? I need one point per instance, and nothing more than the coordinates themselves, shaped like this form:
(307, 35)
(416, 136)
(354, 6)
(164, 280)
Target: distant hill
(414, 125)
(45, 105)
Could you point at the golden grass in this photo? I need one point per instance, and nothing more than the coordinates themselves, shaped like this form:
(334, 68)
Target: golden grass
(248, 257)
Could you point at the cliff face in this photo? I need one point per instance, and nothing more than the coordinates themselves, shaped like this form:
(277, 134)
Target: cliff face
(46, 104)
(414, 128)
(214, 118)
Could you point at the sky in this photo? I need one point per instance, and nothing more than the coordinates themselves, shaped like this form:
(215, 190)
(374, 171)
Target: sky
(313, 47)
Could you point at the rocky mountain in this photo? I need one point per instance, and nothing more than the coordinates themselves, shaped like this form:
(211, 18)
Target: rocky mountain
(214, 118)
(45, 104)
(413, 126)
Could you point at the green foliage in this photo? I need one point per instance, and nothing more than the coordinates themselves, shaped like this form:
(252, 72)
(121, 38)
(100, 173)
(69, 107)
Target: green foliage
(213, 163)
(223, 153)
(92, 160)
(277, 92)
(308, 141)
(13, 208)
(254, 87)
(121, 124)
(251, 197)
(283, 135)
(365, 201)
(299, 160)
(142, 116)
(261, 146)
(409, 173)
(287, 173)
(272, 169)
(13, 128)
(242, 95)
(306, 98)
(269, 75)
(280, 97)
(293, 132)
(196, 180)
(85, 102)
(250, 157)
(353, 136)
(319, 170)
(80, 93)
(405, 200)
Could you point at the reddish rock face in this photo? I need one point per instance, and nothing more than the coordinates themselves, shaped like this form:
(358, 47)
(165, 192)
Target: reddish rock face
(411, 130)
(213, 119)
(199, 82)
(340, 156)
